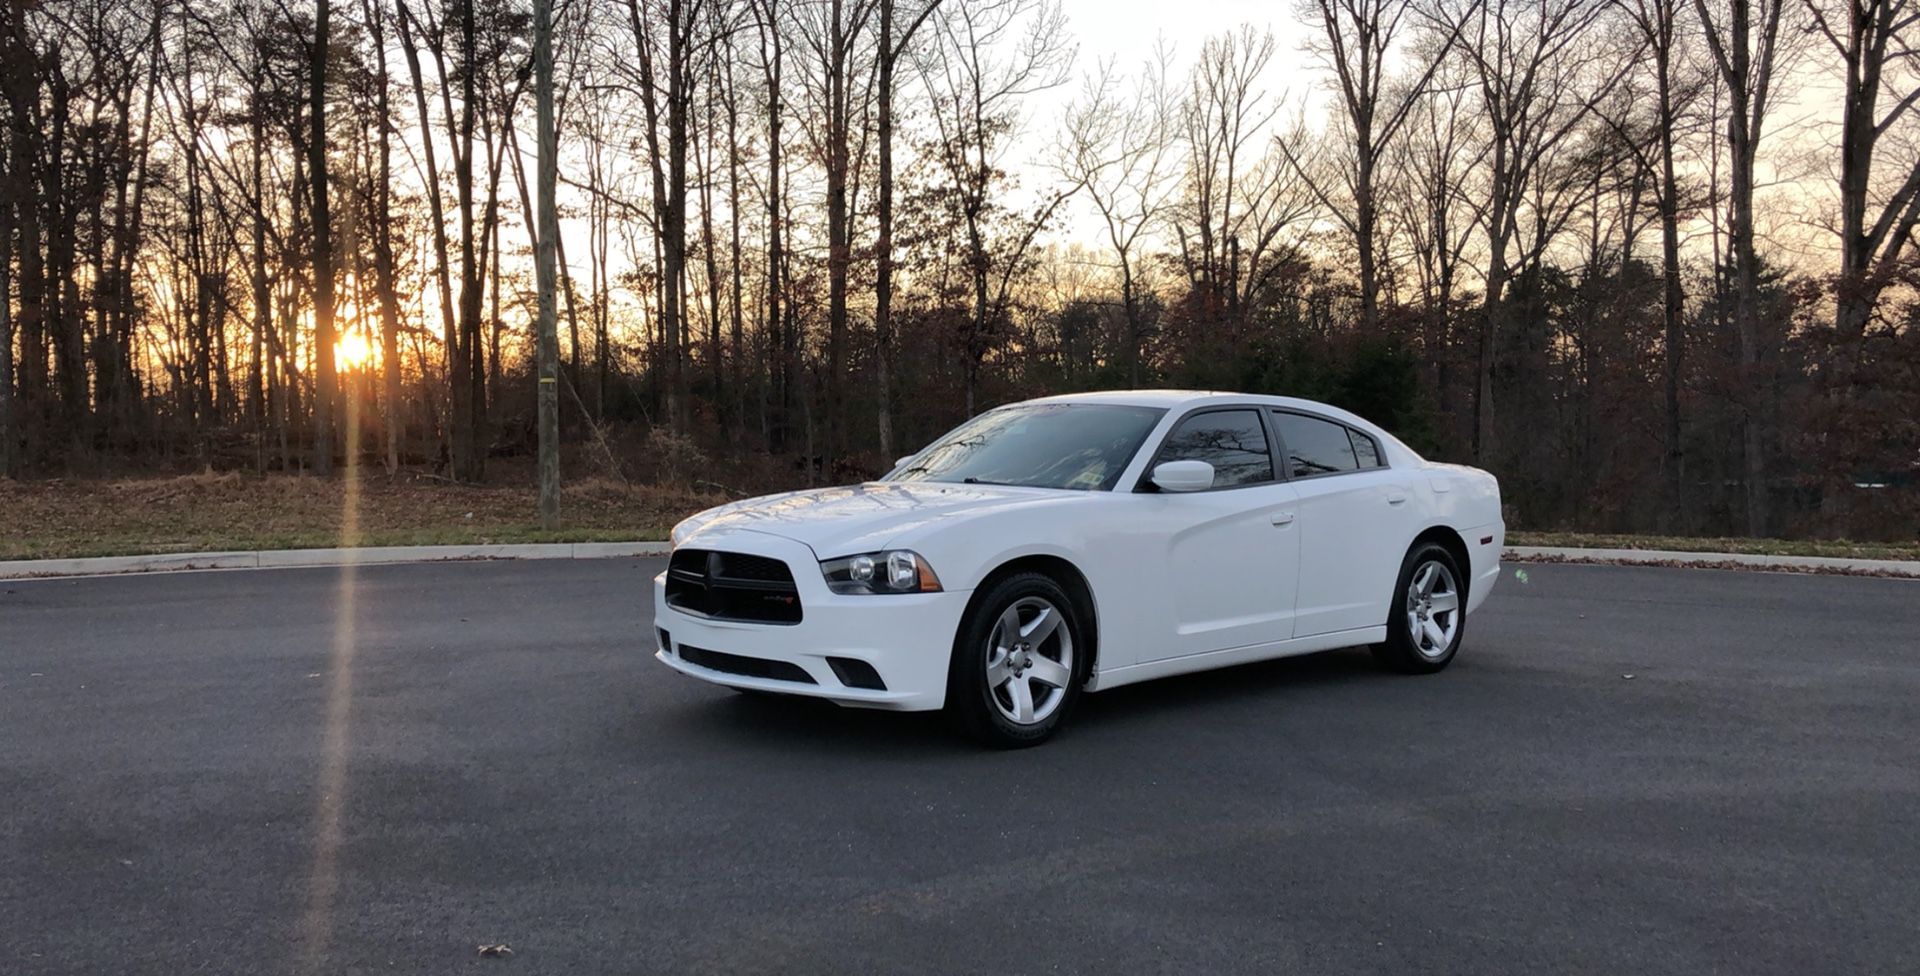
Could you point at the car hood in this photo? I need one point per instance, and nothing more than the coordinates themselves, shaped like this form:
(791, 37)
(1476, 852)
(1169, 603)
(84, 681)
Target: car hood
(859, 518)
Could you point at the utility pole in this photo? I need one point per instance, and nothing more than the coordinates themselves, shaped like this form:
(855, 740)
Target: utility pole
(544, 247)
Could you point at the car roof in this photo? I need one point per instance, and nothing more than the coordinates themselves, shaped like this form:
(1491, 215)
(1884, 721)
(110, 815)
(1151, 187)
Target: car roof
(1181, 400)
(1185, 398)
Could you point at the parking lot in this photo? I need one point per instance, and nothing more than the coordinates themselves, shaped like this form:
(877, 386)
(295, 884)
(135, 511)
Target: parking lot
(1628, 770)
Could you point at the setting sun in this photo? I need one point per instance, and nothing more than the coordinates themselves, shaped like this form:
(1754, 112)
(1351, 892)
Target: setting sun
(354, 351)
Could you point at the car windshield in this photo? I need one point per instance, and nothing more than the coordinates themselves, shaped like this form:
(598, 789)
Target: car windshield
(1080, 446)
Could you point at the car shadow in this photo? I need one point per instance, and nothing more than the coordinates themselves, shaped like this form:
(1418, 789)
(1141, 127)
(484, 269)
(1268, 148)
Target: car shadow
(1197, 694)
(814, 726)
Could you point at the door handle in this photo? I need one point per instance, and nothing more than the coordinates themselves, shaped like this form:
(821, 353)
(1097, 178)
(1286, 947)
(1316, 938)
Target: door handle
(1396, 497)
(1283, 518)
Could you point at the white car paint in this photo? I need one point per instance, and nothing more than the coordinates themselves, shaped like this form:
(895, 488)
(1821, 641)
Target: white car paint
(1179, 581)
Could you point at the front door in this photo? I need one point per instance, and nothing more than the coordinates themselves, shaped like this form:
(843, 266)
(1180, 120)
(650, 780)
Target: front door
(1232, 553)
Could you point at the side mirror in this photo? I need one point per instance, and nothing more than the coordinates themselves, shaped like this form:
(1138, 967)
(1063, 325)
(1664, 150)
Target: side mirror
(1183, 476)
(898, 462)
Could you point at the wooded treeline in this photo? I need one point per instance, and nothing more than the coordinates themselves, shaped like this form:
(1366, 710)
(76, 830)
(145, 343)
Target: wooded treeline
(1651, 261)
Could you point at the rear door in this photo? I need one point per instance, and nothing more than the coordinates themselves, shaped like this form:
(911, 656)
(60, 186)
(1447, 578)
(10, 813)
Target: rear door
(1355, 519)
(1231, 556)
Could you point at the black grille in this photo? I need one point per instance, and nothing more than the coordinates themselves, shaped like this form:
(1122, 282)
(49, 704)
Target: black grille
(740, 565)
(732, 586)
(740, 664)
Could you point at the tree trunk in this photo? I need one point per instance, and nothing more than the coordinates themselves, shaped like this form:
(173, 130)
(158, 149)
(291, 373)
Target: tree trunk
(1674, 307)
(1366, 216)
(781, 369)
(736, 413)
(262, 293)
(468, 464)
(545, 244)
(9, 445)
(64, 315)
(29, 325)
(883, 245)
(323, 390)
(839, 255)
(383, 242)
(436, 208)
(674, 225)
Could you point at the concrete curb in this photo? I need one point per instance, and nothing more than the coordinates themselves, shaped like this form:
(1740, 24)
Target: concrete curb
(294, 558)
(1716, 560)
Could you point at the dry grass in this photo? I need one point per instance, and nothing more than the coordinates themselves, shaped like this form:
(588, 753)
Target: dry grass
(212, 512)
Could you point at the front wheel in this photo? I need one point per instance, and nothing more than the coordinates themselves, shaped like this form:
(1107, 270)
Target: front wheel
(1428, 615)
(1018, 662)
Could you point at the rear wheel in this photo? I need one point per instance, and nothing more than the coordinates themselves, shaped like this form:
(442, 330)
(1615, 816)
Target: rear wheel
(1018, 662)
(1428, 615)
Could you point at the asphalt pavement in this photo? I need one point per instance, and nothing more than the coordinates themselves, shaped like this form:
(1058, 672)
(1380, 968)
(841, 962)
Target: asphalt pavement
(1628, 770)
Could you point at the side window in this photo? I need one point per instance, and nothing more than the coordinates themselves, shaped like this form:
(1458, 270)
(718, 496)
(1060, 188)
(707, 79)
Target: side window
(1230, 440)
(1366, 449)
(1314, 446)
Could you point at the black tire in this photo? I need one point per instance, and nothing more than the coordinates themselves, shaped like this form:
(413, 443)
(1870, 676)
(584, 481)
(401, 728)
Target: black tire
(1405, 650)
(976, 707)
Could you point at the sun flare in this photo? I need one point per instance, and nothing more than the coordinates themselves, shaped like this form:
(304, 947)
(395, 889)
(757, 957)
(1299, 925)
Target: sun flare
(354, 351)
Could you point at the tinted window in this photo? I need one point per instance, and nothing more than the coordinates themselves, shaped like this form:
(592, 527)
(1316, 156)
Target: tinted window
(1314, 446)
(1366, 450)
(1050, 445)
(1230, 440)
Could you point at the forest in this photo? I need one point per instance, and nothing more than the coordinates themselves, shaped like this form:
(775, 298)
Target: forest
(1651, 262)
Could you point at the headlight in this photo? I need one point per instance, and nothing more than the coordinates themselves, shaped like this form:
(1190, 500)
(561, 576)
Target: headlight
(892, 571)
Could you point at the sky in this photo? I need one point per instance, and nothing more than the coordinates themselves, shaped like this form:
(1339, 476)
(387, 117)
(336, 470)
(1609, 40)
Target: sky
(1128, 28)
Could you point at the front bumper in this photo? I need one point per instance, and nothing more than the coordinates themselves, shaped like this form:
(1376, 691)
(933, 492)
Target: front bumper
(906, 639)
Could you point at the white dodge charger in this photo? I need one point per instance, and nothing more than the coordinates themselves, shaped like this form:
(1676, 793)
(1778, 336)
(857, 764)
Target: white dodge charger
(1078, 543)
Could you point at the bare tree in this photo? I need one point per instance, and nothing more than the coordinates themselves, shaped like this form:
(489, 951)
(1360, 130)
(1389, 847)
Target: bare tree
(547, 240)
(436, 209)
(1240, 192)
(1119, 146)
(1878, 43)
(1539, 67)
(783, 343)
(1357, 40)
(1747, 55)
(1225, 112)
(1656, 147)
(9, 463)
(1438, 211)
(832, 32)
(988, 57)
(674, 84)
(893, 45)
(382, 230)
(324, 383)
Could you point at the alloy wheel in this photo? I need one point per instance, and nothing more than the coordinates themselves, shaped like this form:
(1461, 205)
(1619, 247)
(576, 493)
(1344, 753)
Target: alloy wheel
(1433, 609)
(1029, 660)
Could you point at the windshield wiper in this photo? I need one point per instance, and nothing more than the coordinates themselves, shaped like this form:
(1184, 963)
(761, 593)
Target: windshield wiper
(978, 481)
